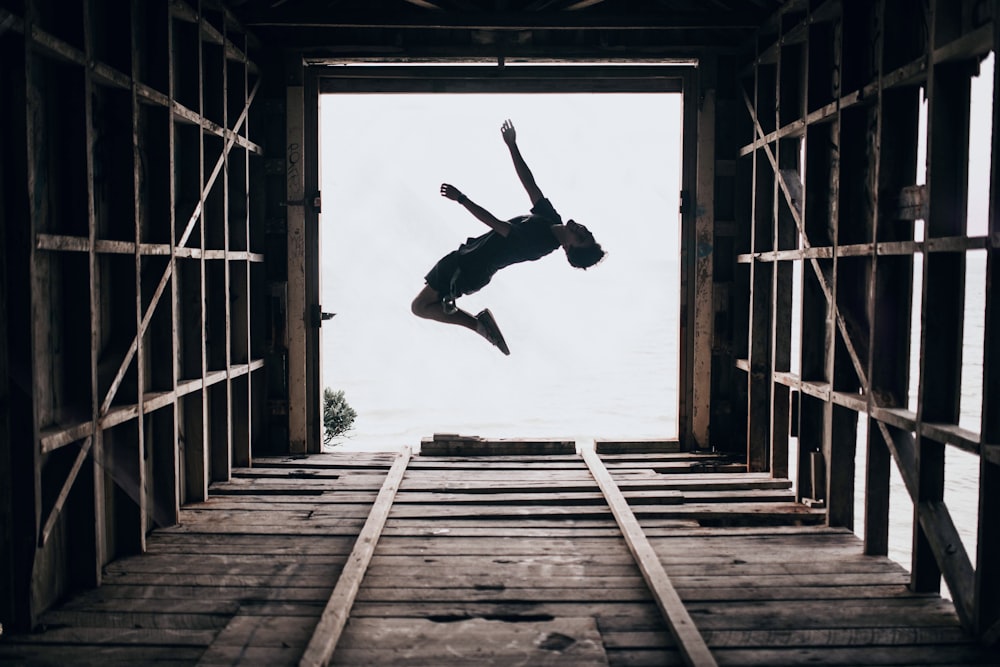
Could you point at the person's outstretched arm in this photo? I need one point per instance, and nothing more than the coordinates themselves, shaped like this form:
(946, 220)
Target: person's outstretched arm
(520, 166)
(501, 227)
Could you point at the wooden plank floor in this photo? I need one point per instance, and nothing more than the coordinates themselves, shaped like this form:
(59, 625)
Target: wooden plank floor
(499, 560)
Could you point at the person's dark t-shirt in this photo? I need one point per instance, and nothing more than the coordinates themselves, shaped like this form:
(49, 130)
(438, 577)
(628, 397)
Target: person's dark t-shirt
(471, 267)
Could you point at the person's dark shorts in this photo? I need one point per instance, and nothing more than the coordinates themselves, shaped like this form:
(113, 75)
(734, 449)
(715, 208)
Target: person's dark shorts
(451, 277)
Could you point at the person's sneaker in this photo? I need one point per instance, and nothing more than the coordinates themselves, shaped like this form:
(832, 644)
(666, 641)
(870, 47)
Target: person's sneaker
(489, 330)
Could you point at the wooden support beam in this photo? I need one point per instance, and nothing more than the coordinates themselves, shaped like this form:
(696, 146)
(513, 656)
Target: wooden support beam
(950, 244)
(903, 448)
(702, 260)
(690, 642)
(939, 392)
(331, 623)
(11, 86)
(950, 555)
(311, 190)
(986, 593)
(891, 294)
(491, 79)
(67, 486)
(763, 213)
(507, 21)
(298, 425)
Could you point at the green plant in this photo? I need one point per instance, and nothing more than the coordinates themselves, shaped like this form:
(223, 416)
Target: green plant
(338, 416)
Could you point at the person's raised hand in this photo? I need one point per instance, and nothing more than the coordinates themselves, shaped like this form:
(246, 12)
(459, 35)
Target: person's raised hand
(508, 133)
(451, 192)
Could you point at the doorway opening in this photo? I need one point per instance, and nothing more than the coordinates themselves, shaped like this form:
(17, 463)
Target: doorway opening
(593, 353)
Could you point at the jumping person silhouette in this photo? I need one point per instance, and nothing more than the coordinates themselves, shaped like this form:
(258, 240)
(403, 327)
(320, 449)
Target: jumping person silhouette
(522, 239)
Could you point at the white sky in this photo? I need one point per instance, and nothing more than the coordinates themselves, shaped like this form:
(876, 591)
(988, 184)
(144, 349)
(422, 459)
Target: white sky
(592, 352)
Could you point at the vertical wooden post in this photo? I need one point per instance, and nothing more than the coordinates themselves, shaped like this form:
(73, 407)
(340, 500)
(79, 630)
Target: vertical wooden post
(853, 226)
(839, 462)
(7, 560)
(175, 457)
(311, 212)
(100, 476)
(702, 308)
(215, 73)
(761, 280)
(821, 182)
(297, 247)
(987, 582)
(16, 407)
(146, 485)
(689, 174)
(37, 166)
(191, 297)
(938, 400)
(761, 283)
(891, 297)
(791, 106)
(241, 420)
(205, 455)
(179, 412)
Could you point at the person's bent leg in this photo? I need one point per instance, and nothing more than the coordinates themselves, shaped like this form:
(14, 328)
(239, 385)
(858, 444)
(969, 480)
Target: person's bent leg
(428, 305)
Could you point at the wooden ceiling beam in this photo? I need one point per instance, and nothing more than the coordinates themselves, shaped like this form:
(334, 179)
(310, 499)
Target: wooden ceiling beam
(504, 21)
(389, 79)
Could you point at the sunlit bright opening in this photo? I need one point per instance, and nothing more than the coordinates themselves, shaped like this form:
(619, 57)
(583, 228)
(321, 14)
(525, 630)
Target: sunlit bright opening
(593, 353)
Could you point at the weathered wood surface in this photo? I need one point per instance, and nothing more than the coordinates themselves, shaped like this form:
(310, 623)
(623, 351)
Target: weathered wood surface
(492, 565)
(682, 627)
(338, 608)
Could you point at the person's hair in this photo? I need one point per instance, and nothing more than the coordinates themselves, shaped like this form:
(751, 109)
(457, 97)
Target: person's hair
(584, 257)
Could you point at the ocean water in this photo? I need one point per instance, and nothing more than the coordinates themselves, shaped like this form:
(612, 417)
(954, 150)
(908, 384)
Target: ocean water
(594, 353)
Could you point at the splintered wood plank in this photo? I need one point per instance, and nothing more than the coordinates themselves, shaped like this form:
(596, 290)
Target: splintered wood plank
(690, 641)
(331, 623)
(573, 642)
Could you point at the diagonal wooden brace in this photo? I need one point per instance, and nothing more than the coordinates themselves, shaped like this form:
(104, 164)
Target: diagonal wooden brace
(50, 522)
(161, 287)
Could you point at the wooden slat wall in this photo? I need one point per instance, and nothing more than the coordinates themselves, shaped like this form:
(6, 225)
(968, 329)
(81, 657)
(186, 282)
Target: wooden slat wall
(136, 316)
(854, 113)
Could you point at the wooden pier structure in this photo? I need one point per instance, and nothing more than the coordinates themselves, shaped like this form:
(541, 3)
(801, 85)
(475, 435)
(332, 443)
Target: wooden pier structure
(452, 558)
